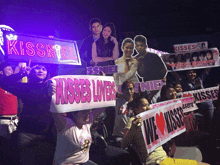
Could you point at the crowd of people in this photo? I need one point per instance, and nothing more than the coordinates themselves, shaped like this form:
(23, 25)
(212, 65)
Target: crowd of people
(110, 135)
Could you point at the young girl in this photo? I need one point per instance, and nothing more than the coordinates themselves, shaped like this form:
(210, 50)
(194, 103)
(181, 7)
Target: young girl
(134, 136)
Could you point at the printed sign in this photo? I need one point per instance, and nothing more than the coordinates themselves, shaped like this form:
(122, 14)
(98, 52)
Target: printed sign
(79, 92)
(146, 86)
(201, 95)
(192, 60)
(162, 124)
(190, 47)
(110, 69)
(187, 104)
(42, 50)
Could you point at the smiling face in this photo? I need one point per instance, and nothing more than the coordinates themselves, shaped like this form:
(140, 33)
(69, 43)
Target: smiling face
(106, 32)
(82, 117)
(128, 49)
(39, 72)
(201, 58)
(178, 88)
(171, 94)
(143, 106)
(208, 56)
(140, 47)
(7, 71)
(96, 28)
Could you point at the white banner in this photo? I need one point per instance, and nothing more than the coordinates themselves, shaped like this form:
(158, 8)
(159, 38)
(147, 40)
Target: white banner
(190, 47)
(202, 95)
(187, 104)
(162, 124)
(80, 92)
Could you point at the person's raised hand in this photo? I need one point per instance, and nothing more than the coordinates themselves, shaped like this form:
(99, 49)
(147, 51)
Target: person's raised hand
(113, 39)
(137, 121)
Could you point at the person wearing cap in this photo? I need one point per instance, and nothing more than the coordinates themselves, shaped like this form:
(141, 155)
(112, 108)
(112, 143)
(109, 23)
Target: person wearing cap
(34, 136)
(86, 48)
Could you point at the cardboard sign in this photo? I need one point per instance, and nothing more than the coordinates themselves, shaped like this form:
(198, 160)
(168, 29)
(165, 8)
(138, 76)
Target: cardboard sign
(187, 104)
(42, 50)
(162, 124)
(202, 95)
(79, 92)
(146, 86)
(110, 69)
(192, 60)
(180, 48)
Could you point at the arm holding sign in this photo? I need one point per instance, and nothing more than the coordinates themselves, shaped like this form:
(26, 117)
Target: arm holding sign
(130, 131)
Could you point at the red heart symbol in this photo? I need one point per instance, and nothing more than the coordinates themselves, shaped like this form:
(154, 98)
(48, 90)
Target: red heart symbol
(160, 122)
(187, 95)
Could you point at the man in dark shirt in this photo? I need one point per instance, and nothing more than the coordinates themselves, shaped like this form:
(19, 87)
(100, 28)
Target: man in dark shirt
(151, 66)
(86, 47)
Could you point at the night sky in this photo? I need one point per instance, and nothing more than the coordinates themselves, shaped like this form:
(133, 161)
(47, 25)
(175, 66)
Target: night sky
(154, 19)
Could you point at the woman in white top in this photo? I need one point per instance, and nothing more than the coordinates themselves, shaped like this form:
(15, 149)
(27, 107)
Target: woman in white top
(127, 65)
(74, 137)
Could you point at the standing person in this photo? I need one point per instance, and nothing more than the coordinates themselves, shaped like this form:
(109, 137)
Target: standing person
(151, 66)
(127, 65)
(86, 48)
(74, 137)
(105, 49)
(8, 105)
(121, 111)
(34, 135)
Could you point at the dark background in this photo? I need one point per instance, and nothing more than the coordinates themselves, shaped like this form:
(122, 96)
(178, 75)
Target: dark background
(163, 22)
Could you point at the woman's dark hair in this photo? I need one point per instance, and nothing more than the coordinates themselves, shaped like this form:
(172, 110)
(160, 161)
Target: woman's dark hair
(176, 83)
(202, 53)
(164, 91)
(135, 104)
(32, 76)
(174, 57)
(210, 52)
(112, 27)
(127, 40)
(187, 56)
(182, 59)
(195, 54)
(126, 84)
(203, 45)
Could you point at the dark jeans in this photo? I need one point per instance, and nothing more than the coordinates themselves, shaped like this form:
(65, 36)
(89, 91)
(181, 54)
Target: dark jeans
(35, 149)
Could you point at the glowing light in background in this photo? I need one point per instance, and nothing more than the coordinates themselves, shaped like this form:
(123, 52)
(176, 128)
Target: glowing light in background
(12, 37)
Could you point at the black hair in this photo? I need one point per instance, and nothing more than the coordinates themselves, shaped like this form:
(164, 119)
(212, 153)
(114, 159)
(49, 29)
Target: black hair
(172, 56)
(126, 84)
(195, 54)
(202, 53)
(3, 65)
(127, 40)
(164, 91)
(135, 103)
(140, 38)
(94, 20)
(210, 52)
(187, 56)
(203, 45)
(182, 59)
(31, 74)
(197, 81)
(112, 27)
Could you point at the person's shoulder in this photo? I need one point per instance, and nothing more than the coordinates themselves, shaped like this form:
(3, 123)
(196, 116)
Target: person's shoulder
(88, 38)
